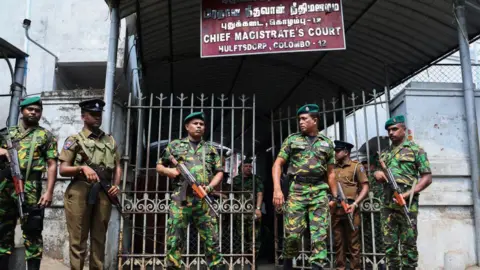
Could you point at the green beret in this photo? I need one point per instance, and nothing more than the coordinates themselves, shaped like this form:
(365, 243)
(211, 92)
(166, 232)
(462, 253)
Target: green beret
(31, 100)
(197, 115)
(395, 120)
(309, 108)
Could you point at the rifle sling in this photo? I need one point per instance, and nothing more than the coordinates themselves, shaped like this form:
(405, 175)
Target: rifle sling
(30, 155)
(84, 149)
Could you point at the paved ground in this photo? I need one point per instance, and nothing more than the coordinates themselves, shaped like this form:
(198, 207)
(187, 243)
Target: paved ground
(51, 264)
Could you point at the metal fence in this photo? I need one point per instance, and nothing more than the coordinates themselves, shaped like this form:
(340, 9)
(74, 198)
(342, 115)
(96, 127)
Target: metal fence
(147, 195)
(353, 119)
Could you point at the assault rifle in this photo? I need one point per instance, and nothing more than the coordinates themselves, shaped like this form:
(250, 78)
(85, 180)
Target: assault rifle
(343, 201)
(105, 177)
(191, 181)
(16, 175)
(396, 191)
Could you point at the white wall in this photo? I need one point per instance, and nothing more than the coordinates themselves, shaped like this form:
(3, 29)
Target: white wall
(76, 31)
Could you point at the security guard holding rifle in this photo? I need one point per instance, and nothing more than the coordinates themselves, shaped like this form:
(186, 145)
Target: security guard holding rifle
(89, 157)
(203, 163)
(351, 178)
(402, 163)
(36, 150)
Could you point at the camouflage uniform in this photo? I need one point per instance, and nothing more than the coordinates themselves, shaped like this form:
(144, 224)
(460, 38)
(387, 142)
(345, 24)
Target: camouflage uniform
(45, 148)
(248, 219)
(307, 193)
(195, 209)
(406, 162)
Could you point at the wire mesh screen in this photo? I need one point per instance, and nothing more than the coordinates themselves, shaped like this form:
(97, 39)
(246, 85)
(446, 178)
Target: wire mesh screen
(441, 73)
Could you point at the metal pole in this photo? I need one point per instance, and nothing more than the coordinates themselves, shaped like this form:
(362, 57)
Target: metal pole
(387, 92)
(111, 66)
(470, 112)
(107, 120)
(17, 90)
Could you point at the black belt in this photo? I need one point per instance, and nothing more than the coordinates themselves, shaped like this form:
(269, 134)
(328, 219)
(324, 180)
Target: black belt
(308, 179)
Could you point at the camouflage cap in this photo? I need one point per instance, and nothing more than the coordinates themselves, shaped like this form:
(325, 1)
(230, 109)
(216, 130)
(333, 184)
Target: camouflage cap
(92, 105)
(308, 108)
(395, 120)
(30, 101)
(343, 145)
(194, 115)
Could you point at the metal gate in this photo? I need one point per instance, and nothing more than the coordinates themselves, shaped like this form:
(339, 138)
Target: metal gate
(230, 128)
(349, 118)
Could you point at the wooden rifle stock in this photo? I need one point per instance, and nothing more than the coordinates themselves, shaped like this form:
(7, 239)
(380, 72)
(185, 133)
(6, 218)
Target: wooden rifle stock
(201, 193)
(396, 191)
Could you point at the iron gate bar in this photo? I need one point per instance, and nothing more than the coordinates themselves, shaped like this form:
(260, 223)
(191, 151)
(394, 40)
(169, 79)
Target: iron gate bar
(356, 107)
(125, 172)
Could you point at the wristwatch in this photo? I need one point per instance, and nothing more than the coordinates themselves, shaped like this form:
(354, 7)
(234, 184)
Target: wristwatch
(208, 189)
(258, 208)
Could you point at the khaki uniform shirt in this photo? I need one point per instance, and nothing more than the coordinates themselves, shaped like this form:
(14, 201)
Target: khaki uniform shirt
(102, 147)
(345, 174)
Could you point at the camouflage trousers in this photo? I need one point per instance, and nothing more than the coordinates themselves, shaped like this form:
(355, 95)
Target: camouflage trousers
(247, 233)
(32, 224)
(397, 230)
(197, 212)
(312, 200)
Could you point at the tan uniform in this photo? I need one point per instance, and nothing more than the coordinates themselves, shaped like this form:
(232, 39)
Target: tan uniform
(83, 218)
(350, 175)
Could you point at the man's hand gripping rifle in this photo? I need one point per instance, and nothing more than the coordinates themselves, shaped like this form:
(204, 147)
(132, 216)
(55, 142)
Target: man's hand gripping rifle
(343, 201)
(105, 177)
(396, 191)
(190, 179)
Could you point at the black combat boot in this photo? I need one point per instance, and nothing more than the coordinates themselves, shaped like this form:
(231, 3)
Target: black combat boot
(316, 267)
(4, 260)
(287, 264)
(33, 264)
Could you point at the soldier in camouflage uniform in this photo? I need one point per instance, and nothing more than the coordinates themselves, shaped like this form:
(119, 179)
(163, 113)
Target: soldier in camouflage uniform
(407, 160)
(310, 157)
(247, 178)
(37, 153)
(203, 162)
(86, 218)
